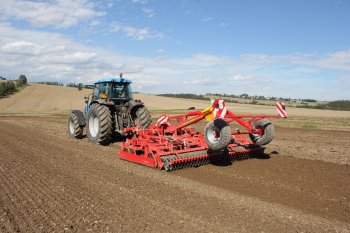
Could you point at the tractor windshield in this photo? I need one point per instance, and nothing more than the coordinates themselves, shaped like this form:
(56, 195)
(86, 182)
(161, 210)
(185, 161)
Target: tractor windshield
(119, 91)
(113, 90)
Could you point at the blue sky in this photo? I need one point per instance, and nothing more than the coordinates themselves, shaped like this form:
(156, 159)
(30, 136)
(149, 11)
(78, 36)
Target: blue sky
(272, 48)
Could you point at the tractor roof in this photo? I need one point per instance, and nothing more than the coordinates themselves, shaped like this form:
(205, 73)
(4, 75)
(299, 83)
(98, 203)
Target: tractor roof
(113, 80)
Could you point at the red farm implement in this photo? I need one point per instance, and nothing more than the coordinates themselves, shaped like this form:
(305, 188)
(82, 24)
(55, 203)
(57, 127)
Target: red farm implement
(169, 146)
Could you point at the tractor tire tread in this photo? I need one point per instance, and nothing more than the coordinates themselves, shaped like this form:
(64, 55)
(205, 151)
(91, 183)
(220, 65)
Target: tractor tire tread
(144, 117)
(105, 131)
(78, 130)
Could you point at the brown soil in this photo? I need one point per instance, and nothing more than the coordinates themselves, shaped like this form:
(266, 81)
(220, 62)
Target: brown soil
(50, 182)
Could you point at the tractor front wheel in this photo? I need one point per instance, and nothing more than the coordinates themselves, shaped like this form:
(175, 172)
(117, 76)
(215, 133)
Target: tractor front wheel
(267, 132)
(99, 124)
(217, 134)
(74, 129)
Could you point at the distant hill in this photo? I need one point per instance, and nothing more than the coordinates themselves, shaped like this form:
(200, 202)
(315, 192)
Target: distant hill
(43, 99)
(39, 99)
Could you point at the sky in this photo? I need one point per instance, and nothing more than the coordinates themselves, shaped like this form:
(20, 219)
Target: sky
(289, 48)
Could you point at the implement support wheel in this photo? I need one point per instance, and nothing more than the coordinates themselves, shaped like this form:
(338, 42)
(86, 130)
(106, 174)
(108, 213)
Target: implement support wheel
(217, 134)
(267, 135)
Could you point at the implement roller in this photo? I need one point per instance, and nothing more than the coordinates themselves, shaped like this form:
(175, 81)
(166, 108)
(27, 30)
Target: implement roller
(173, 144)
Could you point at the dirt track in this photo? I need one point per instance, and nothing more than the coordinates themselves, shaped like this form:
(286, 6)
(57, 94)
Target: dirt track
(49, 182)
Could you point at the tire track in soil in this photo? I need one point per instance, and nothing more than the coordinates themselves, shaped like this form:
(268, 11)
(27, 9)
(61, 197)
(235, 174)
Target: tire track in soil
(129, 197)
(37, 160)
(314, 187)
(46, 197)
(54, 202)
(43, 187)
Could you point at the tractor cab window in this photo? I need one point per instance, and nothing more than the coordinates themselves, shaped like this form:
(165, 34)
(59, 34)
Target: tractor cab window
(120, 91)
(100, 88)
(113, 90)
(96, 91)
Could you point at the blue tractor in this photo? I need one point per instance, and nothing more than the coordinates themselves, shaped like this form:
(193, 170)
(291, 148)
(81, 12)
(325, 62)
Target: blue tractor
(109, 109)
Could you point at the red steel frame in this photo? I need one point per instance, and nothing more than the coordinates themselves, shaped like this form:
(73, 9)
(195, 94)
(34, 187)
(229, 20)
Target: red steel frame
(147, 147)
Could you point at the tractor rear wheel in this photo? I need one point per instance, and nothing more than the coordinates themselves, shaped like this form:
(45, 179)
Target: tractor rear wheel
(99, 124)
(217, 134)
(267, 135)
(143, 117)
(74, 129)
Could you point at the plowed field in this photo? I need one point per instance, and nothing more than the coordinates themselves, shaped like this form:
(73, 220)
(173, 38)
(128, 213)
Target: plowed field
(52, 183)
(49, 182)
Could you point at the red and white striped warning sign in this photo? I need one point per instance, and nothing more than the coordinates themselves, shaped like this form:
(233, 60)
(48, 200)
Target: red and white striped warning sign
(163, 120)
(221, 110)
(281, 109)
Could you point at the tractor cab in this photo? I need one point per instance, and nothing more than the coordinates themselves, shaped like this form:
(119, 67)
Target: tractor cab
(115, 89)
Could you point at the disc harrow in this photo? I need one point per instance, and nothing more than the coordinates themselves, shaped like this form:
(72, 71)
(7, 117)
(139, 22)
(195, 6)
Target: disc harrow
(173, 144)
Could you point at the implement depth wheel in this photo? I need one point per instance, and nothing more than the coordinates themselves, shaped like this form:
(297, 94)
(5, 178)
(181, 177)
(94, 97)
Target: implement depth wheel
(74, 129)
(267, 134)
(217, 134)
(99, 124)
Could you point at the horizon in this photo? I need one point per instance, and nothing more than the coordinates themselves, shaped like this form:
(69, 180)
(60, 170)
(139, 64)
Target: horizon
(289, 49)
(203, 94)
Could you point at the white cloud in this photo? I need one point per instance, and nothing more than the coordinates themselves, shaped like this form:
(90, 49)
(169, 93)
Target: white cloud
(95, 23)
(240, 77)
(208, 19)
(202, 82)
(51, 56)
(345, 79)
(48, 56)
(58, 13)
(149, 12)
(23, 47)
(212, 59)
(110, 4)
(140, 1)
(136, 33)
(224, 24)
(146, 83)
(338, 61)
(78, 57)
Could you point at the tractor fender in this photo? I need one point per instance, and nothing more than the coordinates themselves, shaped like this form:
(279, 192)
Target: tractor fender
(80, 115)
(101, 101)
(112, 107)
(133, 106)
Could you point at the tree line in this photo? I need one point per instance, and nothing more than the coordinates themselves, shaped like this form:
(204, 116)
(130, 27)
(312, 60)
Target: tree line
(259, 97)
(77, 85)
(186, 96)
(10, 86)
(343, 105)
(50, 83)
